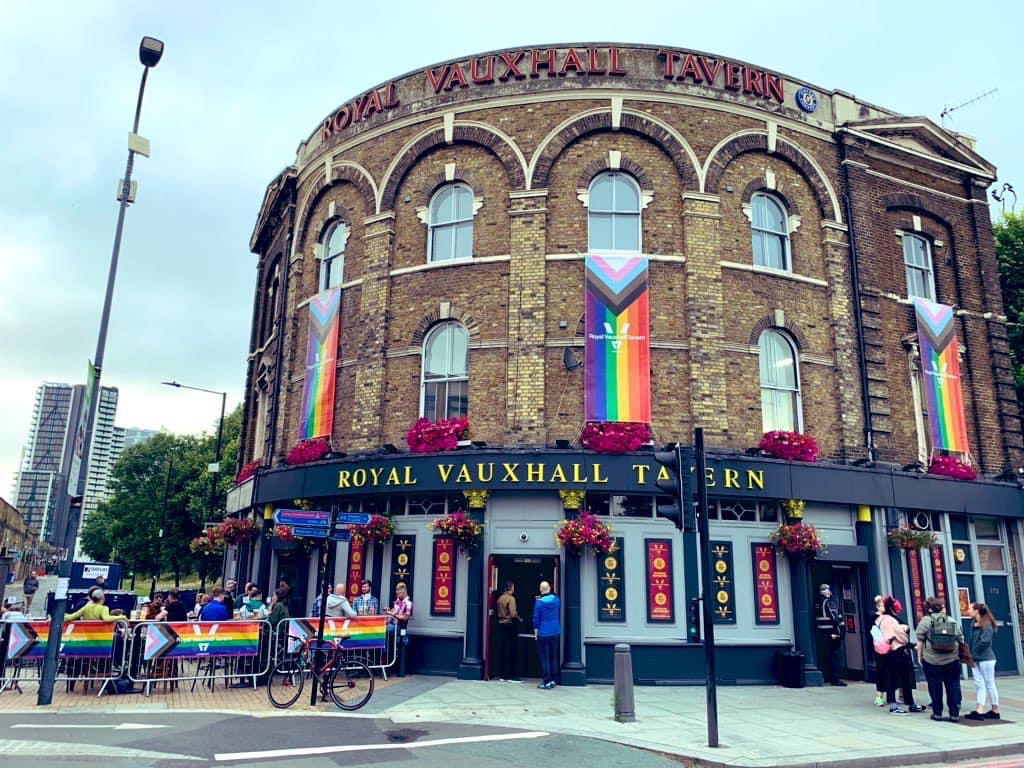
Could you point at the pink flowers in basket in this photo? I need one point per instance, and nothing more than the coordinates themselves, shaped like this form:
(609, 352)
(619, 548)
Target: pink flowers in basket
(236, 531)
(380, 528)
(951, 466)
(587, 530)
(465, 530)
(427, 436)
(306, 451)
(797, 539)
(614, 436)
(792, 446)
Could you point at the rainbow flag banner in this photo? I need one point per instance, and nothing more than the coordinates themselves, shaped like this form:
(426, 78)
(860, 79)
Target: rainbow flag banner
(317, 415)
(88, 640)
(940, 375)
(617, 375)
(360, 633)
(27, 640)
(198, 639)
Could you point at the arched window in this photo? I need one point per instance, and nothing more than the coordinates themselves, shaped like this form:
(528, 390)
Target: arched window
(780, 383)
(769, 232)
(332, 258)
(272, 300)
(451, 224)
(917, 259)
(613, 220)
(445, 391)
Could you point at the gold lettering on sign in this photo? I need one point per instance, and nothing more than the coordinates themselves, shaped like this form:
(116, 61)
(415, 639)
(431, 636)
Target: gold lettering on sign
(709, 473)
(663, 474)
(445, 471)
(376, 473)
(641, 473)
(576, 476)
(510, 473)
(481, 475)
(359, 477)
(393, 477)
(409, 479)
(597, 474)
(755, 477)
(557, 475)
(463, 476)
(732, 478)
(343, 476)
(534, 473)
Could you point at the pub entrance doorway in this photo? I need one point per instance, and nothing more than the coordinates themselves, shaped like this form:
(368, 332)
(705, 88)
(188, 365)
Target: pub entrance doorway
(526, 572)
(847, 582)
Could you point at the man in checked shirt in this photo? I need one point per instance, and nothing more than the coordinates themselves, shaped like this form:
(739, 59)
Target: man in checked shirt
(366, 604)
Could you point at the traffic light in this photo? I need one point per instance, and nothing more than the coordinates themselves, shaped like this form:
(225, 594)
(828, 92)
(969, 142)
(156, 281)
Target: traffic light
(693, 620)
(673, 477)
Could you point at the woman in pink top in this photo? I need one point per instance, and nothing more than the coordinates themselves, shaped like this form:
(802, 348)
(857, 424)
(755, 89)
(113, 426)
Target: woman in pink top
(900, 666)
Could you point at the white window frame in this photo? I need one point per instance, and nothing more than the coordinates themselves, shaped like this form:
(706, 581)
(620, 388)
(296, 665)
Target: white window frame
(432, 224)
(448, 379)
(928, 270)
(763, 233)
(616, 213)
(798, 419)
(327, 258)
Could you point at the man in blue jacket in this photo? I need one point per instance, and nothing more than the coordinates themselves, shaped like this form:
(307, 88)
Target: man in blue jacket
(547, 629)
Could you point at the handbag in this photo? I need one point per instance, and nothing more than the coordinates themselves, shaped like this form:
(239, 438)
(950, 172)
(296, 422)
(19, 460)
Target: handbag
(964, 654)
(882, 645)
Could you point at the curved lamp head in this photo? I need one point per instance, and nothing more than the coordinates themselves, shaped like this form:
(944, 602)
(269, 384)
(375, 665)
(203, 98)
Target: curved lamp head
(150, 51)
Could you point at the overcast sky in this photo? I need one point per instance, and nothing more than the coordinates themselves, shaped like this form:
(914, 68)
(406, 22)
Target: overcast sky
(241, 84)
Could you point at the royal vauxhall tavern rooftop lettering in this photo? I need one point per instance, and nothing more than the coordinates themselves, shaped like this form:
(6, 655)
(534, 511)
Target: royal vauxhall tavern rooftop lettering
(593, 63)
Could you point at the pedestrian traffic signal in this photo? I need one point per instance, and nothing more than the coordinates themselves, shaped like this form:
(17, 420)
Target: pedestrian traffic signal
(693, 620)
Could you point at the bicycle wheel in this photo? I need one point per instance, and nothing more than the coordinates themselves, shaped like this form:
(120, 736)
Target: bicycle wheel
(284, 686)
(351, 684)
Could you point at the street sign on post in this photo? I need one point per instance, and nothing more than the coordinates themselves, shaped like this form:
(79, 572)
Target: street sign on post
(303, 517)
(353, 518)
(310, 532)
(343, 535)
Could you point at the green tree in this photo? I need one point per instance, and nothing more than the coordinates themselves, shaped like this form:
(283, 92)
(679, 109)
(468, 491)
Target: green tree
(1009, 236)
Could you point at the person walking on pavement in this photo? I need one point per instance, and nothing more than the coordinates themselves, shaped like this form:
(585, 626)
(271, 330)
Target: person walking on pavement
(829, 623)
(547, 630)
(508, 624)
(984, 670)
(29, 589)
(898, 663)
(940, 638)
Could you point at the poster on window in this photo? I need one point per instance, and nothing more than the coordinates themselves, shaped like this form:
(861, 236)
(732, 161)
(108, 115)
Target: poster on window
(766, 583)
(442, 590)
(916, 583)
(660, 600)
(617, 373)
(611, 585)
(356, 568)
(723, 609)
(403, 560)
(939, 575)
(940, 375)
(316, 419)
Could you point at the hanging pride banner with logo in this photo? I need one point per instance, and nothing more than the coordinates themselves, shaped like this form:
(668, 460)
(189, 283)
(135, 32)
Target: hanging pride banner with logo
(198, 639)
(317, 416)
(940, 375)
(27, 640)
(617, 373)
(361, 633)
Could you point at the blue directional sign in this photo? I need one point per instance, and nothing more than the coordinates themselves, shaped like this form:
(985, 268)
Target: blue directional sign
(344, 535)
(306, 517)
(354, 518)
(310, 532)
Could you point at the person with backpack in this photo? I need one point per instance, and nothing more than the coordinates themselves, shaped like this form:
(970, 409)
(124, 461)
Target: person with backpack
(940, 637)
(898, 664)
(982, 630)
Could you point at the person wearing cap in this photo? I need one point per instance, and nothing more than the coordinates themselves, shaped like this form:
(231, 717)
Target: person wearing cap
(95, 609)
(829, 623)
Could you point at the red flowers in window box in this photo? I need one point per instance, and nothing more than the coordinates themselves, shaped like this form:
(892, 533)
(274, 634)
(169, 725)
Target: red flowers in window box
(951, 466)
(792, 446)
(583, 531)
(246, 472)
(427, 436)
(614, 436)
(797, 539)
(380, 528)
(306, 451)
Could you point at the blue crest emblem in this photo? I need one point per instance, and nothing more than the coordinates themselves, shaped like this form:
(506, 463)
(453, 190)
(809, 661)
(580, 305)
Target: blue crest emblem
(807, 100)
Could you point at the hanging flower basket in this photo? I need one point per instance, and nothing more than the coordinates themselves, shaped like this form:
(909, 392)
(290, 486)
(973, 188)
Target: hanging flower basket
(586, 530)
(306, 451)
(235, 531)
(792, 446)
(246, 472)
(465, 530)
(379, 529)
(427, 436)
(797, 539)
(907, 538)
(614, 436)
(951, 466)
(207, 545)
(284, 533)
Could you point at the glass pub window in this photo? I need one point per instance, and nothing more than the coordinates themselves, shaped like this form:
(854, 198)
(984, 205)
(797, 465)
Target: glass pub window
(769, 232)
(917, 258)
(613, 219)
(332, 262)
(451, 224)
(780, 384)
(445, 389)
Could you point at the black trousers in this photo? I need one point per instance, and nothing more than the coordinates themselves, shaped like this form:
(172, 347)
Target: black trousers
(548, 649)
(831, 673)
(943, 676)
(900, 674)
(509, 649)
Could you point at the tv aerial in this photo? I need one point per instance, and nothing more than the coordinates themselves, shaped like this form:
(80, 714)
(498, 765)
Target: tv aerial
(946, 111)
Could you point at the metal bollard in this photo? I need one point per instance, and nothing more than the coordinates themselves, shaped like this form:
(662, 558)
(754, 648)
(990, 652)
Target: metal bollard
(624, 706)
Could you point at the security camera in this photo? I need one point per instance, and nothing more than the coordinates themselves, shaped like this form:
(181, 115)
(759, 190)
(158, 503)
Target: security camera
(524, 537)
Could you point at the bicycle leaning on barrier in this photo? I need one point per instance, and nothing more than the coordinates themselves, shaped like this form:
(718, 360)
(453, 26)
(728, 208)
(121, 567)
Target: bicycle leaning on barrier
(346, 681)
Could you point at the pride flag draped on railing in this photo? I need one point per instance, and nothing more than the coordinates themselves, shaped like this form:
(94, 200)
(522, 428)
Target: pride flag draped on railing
(617, 348)
(940, 375)
(198, 639)
(360, 633)
(317, 416)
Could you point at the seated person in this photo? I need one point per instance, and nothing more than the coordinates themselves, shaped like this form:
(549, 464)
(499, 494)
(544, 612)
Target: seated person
(95, 609)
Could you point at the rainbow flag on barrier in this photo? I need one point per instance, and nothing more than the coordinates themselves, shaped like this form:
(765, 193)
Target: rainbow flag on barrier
(199, 639)
(87, 640)
(361, 633)
(27, 640)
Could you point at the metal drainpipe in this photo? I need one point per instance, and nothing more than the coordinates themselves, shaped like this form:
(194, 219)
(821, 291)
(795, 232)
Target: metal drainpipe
(858, 317)
(279, 352)
(963, 318)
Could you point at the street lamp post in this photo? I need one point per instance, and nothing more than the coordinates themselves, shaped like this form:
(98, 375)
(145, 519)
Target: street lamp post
(150, 52)
(215, 467)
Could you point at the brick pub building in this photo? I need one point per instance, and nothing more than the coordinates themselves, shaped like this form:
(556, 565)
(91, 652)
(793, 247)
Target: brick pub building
(785, 230)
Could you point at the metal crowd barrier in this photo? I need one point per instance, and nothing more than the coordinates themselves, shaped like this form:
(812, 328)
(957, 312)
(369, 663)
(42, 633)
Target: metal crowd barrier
(90, 651)
(372, 640)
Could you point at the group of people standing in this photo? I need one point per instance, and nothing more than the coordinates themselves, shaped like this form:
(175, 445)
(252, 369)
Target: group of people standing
(547, 631)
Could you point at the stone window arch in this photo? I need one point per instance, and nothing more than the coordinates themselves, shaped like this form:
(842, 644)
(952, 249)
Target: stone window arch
(614, 203)
(769, 232)
(332, 255)
(779, 365)
(450, 223)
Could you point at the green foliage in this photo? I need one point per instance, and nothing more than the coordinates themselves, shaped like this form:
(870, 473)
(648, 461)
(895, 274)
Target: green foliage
(1009, 237)
(124, 528)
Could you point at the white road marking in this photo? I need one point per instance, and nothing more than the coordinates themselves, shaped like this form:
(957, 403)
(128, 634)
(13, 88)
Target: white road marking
(120, 727)
(300, 751)
(37, 749)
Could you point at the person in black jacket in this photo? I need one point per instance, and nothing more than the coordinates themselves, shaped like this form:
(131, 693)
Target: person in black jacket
(174, 607)
(829, 623)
